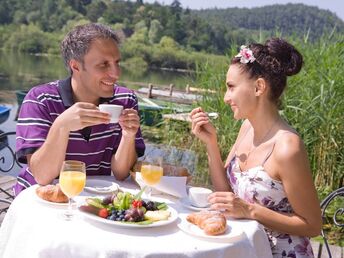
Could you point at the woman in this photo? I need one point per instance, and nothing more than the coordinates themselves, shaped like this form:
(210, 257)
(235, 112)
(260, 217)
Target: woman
(266, 176)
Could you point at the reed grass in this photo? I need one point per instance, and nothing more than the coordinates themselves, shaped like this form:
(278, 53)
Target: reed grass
(312, 104)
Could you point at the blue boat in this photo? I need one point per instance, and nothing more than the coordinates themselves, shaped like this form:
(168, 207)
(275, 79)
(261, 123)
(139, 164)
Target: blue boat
(4, 113)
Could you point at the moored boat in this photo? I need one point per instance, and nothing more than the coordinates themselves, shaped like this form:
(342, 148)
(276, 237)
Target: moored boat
(4, 113)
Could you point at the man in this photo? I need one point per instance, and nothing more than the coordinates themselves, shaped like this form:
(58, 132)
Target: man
(60, 120)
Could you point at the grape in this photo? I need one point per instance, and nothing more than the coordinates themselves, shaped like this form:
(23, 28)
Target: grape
(107, 200)
(113, 196)
(127, 217)
(134, 215)
(140, 213)
(151, 206)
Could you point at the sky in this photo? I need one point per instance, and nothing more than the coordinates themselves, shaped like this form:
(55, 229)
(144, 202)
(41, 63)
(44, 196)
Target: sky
(335, 6)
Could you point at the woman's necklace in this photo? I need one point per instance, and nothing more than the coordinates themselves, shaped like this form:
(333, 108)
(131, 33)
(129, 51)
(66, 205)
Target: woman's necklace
(263, 139)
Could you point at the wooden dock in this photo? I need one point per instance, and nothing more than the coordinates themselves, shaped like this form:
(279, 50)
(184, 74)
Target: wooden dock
(6, 183)
(175, 96)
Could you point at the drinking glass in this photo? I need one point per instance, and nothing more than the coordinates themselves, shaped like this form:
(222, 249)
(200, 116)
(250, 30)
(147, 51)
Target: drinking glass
(151, 175)
(72, 181)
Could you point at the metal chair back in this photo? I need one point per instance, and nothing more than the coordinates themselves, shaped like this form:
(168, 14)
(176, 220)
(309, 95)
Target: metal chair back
(338, 215)
(8, 161)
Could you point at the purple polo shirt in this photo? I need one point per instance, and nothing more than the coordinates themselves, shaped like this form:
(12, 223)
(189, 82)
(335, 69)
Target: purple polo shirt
(93, 145)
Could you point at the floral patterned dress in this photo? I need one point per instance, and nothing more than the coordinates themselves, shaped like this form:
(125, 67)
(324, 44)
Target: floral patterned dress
(255, 185)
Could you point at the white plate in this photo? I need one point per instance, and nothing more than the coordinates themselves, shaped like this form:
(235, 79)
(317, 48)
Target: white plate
(51, 203)
(187, 204)
(171, 219)
(232, 234)
(100, 186)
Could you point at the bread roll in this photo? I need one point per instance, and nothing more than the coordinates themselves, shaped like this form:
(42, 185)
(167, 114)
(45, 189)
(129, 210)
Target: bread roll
(52, 193)
(212, 222)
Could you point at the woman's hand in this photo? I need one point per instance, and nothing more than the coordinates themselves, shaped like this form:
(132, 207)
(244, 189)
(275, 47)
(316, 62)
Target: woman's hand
(230, 205)
(130, 122)
(201, 127)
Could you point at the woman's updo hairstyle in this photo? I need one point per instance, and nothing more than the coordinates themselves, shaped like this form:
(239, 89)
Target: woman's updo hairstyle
(274, 61)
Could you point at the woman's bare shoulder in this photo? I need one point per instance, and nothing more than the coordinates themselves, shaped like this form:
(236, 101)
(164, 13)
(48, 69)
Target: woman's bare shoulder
(288, 145)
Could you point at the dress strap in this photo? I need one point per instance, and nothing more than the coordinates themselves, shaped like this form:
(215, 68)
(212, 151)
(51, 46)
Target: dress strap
(269, 154)
(273, 146)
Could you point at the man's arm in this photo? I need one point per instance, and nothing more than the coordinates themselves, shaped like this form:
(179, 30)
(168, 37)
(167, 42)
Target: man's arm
(45, 163)
(126, 155)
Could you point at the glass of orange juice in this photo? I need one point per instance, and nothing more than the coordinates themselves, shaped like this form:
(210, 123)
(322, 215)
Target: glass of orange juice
(72, 181)
(151, 175)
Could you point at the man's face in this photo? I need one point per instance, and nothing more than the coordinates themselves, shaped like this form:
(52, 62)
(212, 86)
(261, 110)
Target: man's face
(99, 71)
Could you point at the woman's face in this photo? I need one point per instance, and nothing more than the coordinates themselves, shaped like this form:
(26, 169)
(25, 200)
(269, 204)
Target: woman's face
(240, 94)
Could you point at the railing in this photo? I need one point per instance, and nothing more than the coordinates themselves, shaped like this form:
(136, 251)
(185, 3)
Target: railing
(8, 160)
(7, 154)
(338, 216)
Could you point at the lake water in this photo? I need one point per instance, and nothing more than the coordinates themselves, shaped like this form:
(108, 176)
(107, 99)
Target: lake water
(22, 71)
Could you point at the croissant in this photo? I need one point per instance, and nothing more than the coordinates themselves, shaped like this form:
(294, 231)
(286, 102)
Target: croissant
(212, 222)
(52, 193)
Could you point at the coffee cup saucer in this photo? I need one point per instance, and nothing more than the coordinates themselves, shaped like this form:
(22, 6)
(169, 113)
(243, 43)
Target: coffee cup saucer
(187, 204)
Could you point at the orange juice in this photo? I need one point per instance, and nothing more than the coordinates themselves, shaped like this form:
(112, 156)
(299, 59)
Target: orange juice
(72, 182)
(151, 174)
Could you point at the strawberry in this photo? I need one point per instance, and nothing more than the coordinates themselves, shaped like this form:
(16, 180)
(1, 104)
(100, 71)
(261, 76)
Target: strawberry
(103, 213)
(136, 203)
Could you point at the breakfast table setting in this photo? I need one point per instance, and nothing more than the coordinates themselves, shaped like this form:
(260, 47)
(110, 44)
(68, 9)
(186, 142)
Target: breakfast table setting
(34, 227)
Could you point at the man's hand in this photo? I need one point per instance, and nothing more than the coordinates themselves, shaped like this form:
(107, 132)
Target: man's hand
(81, 115)
(130, 122)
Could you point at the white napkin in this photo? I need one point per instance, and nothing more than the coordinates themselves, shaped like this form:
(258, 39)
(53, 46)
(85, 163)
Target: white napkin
(172, 185)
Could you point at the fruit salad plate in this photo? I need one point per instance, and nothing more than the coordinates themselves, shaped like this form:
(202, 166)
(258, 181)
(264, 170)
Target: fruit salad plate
(172, 218)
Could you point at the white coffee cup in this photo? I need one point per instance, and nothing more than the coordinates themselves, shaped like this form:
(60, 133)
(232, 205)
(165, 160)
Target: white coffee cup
(198, 196)
(114, 110)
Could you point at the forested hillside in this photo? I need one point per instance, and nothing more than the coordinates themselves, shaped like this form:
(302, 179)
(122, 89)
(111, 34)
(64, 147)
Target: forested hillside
(159, 35)
(289, 19)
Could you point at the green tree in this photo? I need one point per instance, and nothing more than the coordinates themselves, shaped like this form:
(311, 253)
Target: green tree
(168, 42)
(141, 33)
(155, 31)
(95, 10)
(5, 13)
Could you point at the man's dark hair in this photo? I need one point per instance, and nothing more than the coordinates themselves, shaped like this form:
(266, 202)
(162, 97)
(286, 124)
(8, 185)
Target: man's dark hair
(77, 42)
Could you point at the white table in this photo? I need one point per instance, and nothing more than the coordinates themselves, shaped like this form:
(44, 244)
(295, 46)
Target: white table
(33, 229)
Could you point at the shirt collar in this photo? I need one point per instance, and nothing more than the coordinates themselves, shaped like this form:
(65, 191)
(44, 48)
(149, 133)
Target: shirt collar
(66, 93)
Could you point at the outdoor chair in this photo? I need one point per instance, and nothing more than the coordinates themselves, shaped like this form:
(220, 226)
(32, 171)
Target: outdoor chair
(170, 155)
(175, 161)
(337, 220)
(8, 161)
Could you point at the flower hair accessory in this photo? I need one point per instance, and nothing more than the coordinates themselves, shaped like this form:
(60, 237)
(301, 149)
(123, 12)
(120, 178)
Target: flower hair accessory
(246, 55)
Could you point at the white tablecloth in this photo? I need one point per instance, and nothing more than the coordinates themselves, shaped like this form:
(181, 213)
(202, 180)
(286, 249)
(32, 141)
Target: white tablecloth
(34, 229)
